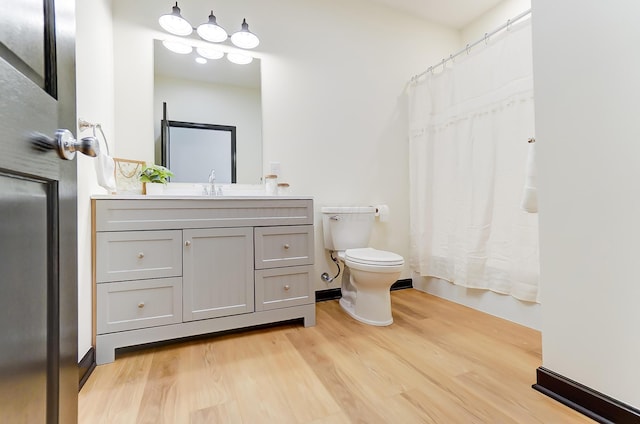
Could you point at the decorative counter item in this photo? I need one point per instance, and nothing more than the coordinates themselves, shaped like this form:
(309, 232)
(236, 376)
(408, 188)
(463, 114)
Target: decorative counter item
(127, 175)
(271, 184)
(155, 177)
(283, 189)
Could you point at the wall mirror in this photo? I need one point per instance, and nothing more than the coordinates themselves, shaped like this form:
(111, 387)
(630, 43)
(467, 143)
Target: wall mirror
(217, 95)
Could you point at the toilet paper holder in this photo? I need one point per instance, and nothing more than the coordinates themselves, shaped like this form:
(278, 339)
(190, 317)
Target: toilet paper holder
(382, 212)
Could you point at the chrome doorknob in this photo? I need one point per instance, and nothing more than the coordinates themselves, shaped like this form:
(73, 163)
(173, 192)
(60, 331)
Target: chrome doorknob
(65, 144)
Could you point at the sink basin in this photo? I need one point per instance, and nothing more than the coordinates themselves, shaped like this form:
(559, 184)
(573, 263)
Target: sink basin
(200, 189)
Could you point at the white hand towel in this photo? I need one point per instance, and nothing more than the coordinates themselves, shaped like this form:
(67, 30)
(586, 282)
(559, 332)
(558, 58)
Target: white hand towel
(530, 194)
(105, 170)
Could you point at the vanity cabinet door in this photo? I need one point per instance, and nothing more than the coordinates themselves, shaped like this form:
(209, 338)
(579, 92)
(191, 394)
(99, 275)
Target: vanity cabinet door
(217, 272)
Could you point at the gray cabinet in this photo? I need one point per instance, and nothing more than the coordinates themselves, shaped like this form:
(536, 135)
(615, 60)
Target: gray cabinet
(177, 267)
(218, 272)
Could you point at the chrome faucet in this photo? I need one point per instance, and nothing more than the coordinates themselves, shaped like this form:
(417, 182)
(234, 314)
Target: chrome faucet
(212, 183)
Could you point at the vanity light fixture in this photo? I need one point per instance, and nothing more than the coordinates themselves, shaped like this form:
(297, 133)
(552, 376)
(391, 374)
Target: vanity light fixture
(210, 31)
(201, 60)
(174, 22)
(244, 38)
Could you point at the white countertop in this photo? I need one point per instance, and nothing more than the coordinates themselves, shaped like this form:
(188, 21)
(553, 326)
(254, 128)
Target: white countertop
(192, 197)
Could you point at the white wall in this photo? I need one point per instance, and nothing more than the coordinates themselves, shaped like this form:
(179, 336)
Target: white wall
(94, 98)
(220, 104)
(334, 75)
(493, 19)
(586, 77)
(504, 306)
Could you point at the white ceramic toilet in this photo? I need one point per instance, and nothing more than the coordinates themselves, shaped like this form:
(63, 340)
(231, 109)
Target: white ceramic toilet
(368, 273)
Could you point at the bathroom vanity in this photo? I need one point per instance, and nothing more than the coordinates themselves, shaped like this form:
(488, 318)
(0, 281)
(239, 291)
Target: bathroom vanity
(172, 267)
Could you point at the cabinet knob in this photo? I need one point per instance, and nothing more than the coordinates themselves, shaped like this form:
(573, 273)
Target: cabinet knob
(141, 255)
(287, 287)
(286, 246)
(141, 305)
(187, 243)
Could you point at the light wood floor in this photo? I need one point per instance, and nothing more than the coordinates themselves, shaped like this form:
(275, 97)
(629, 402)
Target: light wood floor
(438, 363)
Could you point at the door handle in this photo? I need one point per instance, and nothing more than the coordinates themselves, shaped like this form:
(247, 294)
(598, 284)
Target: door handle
(65, 144)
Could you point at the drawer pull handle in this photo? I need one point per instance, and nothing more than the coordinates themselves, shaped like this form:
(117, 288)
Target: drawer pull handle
(287, 287)
(286, 246)
(187, 243)
(141, 255)
(141, 305)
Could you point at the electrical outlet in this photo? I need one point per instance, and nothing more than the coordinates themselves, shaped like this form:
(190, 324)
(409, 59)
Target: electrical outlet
(275, 168)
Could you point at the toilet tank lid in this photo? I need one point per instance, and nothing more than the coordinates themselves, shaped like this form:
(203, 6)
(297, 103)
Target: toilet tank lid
(348, 209)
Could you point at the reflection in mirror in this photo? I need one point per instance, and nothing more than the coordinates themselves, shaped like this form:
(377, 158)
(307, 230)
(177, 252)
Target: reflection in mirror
(215, 147)
(217, 93)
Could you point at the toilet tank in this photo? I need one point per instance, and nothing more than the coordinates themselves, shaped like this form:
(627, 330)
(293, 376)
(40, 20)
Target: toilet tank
(347, 227)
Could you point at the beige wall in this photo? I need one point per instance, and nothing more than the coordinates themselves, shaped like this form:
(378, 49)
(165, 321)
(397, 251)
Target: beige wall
(494, 18)
(94, 98)
(333, 81)
(586, 78)
(334, 75)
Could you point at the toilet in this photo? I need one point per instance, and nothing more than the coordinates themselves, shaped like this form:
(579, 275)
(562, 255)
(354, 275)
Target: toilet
(368, 273)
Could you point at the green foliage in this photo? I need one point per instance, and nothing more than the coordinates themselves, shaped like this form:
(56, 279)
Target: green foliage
(155, 174)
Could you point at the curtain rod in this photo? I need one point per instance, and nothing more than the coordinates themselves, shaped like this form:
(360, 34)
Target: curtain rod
(469, 46)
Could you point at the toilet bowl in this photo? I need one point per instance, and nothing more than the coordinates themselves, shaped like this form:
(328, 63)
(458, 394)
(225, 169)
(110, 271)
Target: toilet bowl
(371, 273)
(368, 273)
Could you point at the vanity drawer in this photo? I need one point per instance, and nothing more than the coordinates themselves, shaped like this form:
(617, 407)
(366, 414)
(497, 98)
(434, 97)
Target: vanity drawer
(138, 304)
(134, 255)
(282, 287)
(283, 246)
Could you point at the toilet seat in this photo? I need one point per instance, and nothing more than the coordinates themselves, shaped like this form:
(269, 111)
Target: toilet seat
(373, 257)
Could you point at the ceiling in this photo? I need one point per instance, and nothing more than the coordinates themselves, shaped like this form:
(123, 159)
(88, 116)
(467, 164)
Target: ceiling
(452, 13)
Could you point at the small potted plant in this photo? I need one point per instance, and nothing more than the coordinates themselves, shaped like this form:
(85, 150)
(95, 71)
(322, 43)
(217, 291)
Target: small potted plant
(155, 177)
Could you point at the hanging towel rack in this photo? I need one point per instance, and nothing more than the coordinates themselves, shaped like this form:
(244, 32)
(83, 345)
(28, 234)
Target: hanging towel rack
(468, 47)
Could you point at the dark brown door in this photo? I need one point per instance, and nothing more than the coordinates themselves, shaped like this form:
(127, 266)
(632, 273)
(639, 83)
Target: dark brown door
(38, 277)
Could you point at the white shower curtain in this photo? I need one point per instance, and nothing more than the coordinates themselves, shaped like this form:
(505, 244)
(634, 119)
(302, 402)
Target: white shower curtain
(469, 127)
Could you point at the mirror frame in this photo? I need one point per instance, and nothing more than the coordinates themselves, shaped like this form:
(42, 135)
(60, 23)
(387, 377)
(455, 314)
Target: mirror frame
(165, 140)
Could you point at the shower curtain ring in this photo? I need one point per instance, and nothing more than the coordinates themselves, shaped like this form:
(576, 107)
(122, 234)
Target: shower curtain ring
(467, 48)
(443, 62)
(486, 37)
(508, 24)
(430, 69)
